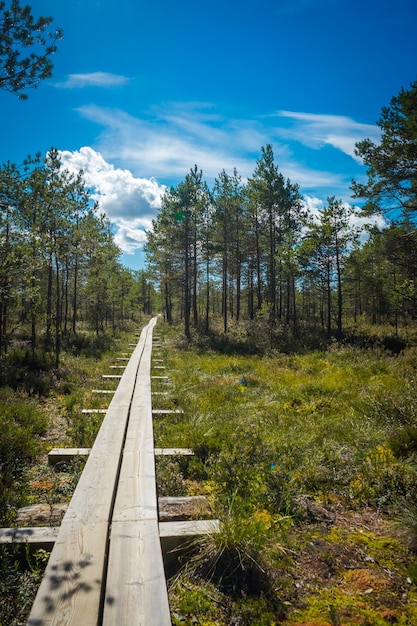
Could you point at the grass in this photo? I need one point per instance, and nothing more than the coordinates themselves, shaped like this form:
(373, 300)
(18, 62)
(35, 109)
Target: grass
(300, 440)
(300, 424)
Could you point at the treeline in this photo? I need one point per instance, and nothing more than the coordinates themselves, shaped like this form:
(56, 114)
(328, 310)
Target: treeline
(59, 267)
(254, 251)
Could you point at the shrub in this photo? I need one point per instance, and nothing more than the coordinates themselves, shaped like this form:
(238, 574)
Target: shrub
(21, 423)
(403, 441)
(406, 520)
(234, 558)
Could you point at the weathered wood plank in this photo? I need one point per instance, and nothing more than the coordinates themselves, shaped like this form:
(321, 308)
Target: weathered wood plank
(41, 535)
(136, 588)
(189, 528)
(58, 455)
(65, 455)
(48, 534)
(173, 452)
(182, 508)
(71, 589)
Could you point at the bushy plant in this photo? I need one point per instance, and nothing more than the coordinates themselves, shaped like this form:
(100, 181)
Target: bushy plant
(30, 372)
(234, 558)
(18, 585)
(406, 519)
(21, 423)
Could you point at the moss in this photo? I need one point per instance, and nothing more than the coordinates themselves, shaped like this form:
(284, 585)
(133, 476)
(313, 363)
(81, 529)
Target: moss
(337, 606)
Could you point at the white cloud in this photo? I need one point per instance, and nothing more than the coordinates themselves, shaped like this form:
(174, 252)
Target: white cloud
(316, 131)
(93, 79)
(169, 140)
(172, 140)
(129, 202)
(356, 219)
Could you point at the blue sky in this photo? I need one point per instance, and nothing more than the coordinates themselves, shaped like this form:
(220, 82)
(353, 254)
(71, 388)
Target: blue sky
(144, 90)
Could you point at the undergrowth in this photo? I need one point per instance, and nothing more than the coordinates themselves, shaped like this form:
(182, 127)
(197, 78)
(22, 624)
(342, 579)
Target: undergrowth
(308, 459)
(297, 440)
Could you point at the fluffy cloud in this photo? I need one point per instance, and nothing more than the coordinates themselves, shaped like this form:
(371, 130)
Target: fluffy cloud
(169, 140)
(129, 202)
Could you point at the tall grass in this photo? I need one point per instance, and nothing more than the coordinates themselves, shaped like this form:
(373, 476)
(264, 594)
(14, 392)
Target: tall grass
(316, 423)
(286, 435)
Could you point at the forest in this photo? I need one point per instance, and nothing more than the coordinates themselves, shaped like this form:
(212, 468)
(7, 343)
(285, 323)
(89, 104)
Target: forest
(59, 267)
(252, 252)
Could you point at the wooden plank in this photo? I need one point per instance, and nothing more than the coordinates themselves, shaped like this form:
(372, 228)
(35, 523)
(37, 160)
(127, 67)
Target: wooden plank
(182, 508)
(112, 376)
(166, 411)
(103, 391)
(71, 589)
(43, 535)
(86, 411)
(64, 455)
(57, 455)
(189, 528)
(49, 534)
(136, 587)
(173, 452)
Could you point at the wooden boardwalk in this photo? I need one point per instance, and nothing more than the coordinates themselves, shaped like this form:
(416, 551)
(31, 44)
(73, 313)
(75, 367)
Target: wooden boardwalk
(106, 567)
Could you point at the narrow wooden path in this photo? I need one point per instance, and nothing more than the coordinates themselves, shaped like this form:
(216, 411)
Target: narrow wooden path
(106, 567)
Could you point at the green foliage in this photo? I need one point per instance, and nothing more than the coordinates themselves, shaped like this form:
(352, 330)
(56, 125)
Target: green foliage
(26, 48)
(32, 373)
(285, 442)
(88, 345)
(195, 604)
(170, 477)
(392, 180)
(21, 423)
(406, 518)
(18, 585)
(234, 558)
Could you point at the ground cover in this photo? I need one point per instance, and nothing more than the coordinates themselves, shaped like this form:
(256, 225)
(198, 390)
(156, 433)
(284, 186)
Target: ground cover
(308, 460)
